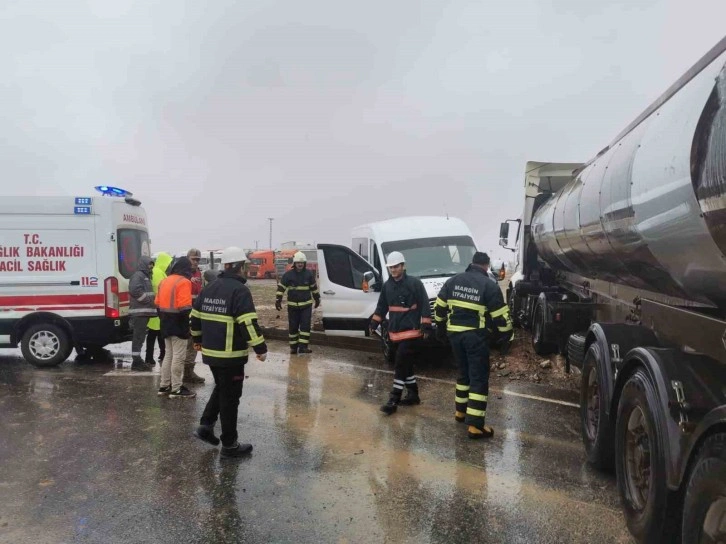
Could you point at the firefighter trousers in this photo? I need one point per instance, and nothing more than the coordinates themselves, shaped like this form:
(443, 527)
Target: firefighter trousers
(403, 368)
(471, 350)
(299, 320)
(224, 401)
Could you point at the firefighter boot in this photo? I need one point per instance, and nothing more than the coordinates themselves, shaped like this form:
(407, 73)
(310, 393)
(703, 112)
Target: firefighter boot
(206, 433)
(476, 433)
(391, 406)
(411, 397)
(303, 349)
(459, 416)
(190, 376)
(293, 349)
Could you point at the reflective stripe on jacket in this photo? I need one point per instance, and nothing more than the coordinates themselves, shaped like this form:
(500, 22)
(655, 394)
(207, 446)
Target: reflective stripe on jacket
(470, 301)
(300, 287)
(407, 305)
(224, 322)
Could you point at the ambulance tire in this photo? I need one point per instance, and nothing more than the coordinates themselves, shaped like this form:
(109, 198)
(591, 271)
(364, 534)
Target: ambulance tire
(46, 344)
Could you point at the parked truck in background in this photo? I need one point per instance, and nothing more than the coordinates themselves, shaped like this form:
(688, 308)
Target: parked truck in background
(622, 268)
(262, 264)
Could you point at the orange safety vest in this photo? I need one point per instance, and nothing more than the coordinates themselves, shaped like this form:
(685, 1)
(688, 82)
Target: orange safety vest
(175, 294)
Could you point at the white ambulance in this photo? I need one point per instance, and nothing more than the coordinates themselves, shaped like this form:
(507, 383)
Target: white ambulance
(65, 264)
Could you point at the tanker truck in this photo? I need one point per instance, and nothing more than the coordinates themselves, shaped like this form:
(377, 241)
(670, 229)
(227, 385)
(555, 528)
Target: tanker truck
(622, 269)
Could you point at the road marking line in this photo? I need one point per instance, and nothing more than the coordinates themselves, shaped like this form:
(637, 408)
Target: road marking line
(451, 382)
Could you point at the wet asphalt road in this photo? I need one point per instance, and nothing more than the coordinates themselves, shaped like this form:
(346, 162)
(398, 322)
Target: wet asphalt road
(92, 454)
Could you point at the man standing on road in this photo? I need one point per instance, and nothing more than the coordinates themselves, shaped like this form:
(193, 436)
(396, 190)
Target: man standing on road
(463, 308)
(404, 298)
(301, 288)
(174, 301)
(190, 376)
(141, 308)
(224, 326)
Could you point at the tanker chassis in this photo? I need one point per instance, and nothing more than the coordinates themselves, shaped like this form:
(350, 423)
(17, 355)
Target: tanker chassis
(622, 269)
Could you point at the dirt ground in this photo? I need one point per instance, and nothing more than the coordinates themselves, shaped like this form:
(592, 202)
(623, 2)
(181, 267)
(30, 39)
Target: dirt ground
(520, 364)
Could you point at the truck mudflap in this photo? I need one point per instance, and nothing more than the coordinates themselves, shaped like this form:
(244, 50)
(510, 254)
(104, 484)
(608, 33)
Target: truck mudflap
(690, 403)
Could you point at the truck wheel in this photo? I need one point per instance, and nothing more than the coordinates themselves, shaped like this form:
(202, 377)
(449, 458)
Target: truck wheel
(640, 463)
(538, 332)
(595, 424)
(705, 506)
(46, 345)
(389, 348)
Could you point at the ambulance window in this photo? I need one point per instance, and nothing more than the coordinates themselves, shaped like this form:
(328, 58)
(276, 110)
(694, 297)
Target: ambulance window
(131, 244)
(345, 268)
(376, 258)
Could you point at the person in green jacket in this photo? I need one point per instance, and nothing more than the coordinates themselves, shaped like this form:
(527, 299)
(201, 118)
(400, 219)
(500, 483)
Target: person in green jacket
(163, 260)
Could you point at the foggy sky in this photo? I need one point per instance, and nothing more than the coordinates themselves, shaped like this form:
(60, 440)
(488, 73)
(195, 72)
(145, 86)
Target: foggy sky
(325, 114)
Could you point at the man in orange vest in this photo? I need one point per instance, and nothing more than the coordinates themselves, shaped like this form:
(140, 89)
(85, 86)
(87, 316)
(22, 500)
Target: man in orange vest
(174, 301)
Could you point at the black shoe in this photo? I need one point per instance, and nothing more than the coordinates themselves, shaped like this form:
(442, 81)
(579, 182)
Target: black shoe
(304, 349)
(182, 393)
(293, 351)
(206, 434)
(150, 361)
(238, 450)
(410, 399)
(140, 366)
(164, 391)
(390, 407)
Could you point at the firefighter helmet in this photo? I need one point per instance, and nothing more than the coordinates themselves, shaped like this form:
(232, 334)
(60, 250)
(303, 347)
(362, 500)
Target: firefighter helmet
(394, 258)
(299, 257)
(233, 254)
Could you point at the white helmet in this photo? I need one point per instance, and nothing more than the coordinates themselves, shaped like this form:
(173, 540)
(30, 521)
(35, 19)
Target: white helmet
(233, 254)
(299, 257)
(394, 258)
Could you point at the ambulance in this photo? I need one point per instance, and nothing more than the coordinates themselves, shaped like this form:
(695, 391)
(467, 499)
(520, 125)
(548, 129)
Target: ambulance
(65, 264)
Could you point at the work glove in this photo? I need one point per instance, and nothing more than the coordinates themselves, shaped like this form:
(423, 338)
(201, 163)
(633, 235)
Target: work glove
(317, 302)
(278, 305)
(197, 347)
(262, 356)
(441, 332)
(426, 330)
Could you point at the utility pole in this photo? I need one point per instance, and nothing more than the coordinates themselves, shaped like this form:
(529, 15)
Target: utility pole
(256, 245)
(270, 219)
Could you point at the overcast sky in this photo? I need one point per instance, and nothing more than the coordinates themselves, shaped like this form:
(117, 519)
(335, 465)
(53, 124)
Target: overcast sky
(325, 114)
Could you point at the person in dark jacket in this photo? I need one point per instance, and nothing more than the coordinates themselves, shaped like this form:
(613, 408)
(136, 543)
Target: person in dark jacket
(465, 307)
(301, 288)
(404, 298)
(174, 301)
(224, 326)
(190, 376)
(141, 308)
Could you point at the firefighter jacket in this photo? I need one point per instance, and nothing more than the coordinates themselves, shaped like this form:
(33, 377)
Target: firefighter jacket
(300, 287)
(471, 300)
(407, 305)
(141, 300)
(175, 300)
(224, 322)
(157, 275)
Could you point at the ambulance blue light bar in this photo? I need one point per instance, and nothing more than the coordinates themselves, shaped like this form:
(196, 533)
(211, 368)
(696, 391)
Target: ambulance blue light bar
(107, 190)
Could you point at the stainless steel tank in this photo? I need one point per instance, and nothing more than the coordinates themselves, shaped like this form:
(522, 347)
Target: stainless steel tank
(650, 211)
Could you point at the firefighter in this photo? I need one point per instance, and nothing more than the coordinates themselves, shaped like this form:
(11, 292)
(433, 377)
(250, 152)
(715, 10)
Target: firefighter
(141, 308)
(224, 326)
(404, 298)
(174, 301)
(302, 290)
(465, 305)
(190, 376)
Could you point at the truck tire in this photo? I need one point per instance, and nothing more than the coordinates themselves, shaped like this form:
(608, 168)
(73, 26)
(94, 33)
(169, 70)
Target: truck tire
(389, 348)
(538, 331)
(596, 427)
(705, 505)
(45, 345)
(640, 464)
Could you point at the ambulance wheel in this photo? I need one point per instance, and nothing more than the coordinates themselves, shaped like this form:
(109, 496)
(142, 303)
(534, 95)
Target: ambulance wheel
(46, 345)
